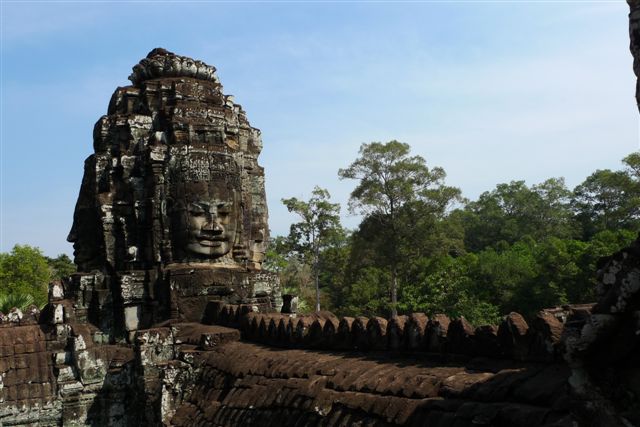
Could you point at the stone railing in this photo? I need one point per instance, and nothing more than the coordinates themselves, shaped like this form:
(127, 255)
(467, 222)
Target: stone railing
(514, 338)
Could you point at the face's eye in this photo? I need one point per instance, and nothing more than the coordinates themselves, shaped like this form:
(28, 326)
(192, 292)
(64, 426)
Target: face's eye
(223, 209)
(196, 210)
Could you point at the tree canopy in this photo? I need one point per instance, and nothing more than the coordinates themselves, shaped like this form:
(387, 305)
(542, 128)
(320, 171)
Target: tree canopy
(25, 274)
(392, 186)
(320, 223)
(517, 247)
(25, 271)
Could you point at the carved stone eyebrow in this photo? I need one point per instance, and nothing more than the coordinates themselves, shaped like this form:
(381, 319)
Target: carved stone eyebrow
(198, 207)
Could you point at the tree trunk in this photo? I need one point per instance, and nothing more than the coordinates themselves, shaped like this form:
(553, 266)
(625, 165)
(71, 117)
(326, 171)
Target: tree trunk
(316, 277)
(394, 291)
(394, 265)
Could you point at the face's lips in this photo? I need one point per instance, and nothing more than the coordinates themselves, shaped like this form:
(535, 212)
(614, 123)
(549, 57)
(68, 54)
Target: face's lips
(211, 241)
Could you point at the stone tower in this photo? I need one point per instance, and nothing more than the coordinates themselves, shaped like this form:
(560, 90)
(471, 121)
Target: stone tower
(172, 212)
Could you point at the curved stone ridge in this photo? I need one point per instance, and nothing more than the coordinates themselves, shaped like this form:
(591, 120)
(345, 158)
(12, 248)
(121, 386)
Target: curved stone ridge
(513, 339)
(161, 63)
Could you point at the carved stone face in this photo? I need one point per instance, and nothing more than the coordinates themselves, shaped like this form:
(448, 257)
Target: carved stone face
(211, 227)
(205, 221)
(258, 243)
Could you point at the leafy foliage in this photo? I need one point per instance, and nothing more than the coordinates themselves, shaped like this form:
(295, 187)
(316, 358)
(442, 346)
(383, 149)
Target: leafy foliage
(392, 187)
(516, 248)
(513, 211)
(25, 271)
(25, 274)
(61, 266)
(609, 200)
(320, 223)
(15, 300)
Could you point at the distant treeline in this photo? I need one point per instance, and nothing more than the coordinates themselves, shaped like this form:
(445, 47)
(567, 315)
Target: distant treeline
(516, 248)
(25, 274)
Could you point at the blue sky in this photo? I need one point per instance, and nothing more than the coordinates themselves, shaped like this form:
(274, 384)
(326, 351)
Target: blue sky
(491, 91)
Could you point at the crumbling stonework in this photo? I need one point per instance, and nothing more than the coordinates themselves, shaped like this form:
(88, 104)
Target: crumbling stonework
(172, 321)
(171, 220)
(249, 384)
(602, 346)
(172, 210)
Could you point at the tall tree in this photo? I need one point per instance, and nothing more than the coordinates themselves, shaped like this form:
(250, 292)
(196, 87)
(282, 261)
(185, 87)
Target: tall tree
(514, 210)
(632, 165)
(608, 200)
(390, 179)
(61, 266)
(320, 219)
(24, 271)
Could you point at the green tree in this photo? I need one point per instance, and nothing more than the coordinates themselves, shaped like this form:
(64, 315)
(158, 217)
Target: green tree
(334, 259)
(25, 271)
(609, 200)
(632, 166)
(294, 273)
(320, 220)
(61, 266)
(368, 292)
(275, 259)
(390, 180)
(512, 211)
(445, 285)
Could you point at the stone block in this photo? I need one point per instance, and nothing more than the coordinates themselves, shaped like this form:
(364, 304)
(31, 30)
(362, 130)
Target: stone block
(460, 337)
(486, 341)
(359, 334)
(132, 317)
(316, 336)
(544, 337)
(396, 332)
(377, 333)
(56, 290)
(344, 338)
(436, 333)
(513, 338)
(329, 332)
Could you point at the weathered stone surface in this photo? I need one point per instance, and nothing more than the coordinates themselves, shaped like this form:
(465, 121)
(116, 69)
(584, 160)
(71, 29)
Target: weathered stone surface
(415, 330)
(246, 384)
(545, 333)
(601, 346)
(377, 333)
(634, 35)
(360, 338)
(172, 209)
(436, 333)
(513, 338)
(396, 332)
(461, 337)
(344, 338)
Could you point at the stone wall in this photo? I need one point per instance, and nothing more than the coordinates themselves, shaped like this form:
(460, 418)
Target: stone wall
(513, 339)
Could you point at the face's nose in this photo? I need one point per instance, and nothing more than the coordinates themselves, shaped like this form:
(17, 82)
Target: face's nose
(212, 223)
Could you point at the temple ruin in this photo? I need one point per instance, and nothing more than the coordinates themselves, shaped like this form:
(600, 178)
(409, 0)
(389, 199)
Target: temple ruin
(171, 319)
(172, 211)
